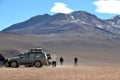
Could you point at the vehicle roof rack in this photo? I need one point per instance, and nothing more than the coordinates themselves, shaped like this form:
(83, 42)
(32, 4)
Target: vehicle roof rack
(36, 50)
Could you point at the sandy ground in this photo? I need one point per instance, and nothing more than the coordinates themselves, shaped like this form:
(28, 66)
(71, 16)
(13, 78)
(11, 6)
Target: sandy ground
(62, 73)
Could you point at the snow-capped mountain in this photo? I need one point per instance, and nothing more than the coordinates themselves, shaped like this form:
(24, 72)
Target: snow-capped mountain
(78, 22)
(115, 21)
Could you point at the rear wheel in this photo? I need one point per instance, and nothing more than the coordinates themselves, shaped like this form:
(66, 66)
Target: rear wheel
(14, 64)
(38, 64)
(54, 64)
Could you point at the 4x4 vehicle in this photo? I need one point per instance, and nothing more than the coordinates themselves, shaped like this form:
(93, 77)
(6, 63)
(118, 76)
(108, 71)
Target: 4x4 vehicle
(34, 57)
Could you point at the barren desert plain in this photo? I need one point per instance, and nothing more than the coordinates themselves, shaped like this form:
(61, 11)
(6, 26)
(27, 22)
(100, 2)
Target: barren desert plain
(98, 58)
(85, 72)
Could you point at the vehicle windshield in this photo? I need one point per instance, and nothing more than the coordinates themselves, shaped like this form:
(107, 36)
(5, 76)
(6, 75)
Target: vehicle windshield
(16, 56)
(19, 56)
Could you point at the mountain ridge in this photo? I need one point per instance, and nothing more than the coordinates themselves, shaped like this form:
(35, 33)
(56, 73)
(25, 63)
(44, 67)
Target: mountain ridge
(78, 22)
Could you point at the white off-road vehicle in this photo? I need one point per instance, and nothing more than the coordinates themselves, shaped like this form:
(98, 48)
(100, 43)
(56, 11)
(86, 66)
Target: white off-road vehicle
(52, 60)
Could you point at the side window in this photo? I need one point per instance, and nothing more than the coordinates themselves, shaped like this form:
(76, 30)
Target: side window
(32, 56)
(26, 56)
(40, 55)
(22, 56)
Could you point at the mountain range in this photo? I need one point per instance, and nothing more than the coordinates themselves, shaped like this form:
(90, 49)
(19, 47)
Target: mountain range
(76, 23)
(80, 34)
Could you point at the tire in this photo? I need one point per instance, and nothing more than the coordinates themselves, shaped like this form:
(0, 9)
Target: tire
(54, 64)
(14, 64)
(37, 64)
(6, 64)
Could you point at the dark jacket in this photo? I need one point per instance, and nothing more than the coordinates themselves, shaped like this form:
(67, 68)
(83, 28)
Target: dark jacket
(2, 58)
(61, 59)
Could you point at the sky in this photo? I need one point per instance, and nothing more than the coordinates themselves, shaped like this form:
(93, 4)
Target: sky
(15, 11)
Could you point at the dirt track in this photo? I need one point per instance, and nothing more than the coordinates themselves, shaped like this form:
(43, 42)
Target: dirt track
(61, 73)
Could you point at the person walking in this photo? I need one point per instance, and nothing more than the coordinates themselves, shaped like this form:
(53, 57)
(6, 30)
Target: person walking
(2, 59)
(75, 61)
(61, 61)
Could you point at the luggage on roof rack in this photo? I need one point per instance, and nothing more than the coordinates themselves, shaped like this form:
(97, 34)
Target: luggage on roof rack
(36, 50)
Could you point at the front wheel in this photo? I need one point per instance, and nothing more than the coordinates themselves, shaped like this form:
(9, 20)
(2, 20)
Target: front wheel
(37, 64)
(14, 64)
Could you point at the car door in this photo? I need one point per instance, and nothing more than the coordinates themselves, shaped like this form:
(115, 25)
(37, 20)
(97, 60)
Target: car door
(23, 59)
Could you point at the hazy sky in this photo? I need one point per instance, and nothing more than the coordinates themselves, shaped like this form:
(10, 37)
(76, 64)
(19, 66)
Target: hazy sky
(15, 11)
